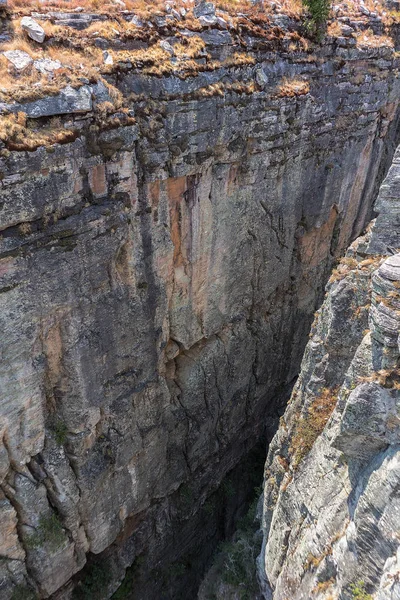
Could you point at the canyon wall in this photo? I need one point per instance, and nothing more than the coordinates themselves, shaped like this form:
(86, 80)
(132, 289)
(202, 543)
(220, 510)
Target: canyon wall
(331, 498)
(158, 281)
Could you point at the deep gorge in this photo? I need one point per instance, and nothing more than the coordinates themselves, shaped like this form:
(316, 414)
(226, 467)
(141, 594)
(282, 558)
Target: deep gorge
(158, 284)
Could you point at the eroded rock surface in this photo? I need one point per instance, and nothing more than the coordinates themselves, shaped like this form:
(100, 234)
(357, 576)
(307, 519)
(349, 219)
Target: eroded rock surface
(331, 498)
(158, 280)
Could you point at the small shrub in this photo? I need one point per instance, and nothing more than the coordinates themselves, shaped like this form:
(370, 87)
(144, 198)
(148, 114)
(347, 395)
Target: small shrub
(319, 12)
(60, 432)
(358, 591)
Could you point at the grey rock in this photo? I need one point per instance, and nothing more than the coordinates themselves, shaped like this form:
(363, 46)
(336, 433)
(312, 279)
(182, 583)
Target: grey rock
(323, 508)
(46, 65)
(204, 9)
(108, 59)
(69, 100)
(221, 22)
(347, 30)
(137, 21)
(21, 61)
(261, 78)
(33, 29)
(165, 45)
(368, 422)
(158, 281)
(177, 15)
(363, 10)
(208, 20)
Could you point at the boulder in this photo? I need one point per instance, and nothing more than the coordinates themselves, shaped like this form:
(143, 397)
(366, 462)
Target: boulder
(33, 29)
(20, 61)
(204, 9)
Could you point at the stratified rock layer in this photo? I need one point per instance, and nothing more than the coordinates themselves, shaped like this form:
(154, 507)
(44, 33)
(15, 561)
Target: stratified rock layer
(157, 284)
(331, 498)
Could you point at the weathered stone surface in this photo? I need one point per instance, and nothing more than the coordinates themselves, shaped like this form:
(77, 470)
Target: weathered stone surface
(204, 9)
(387, 226)
(68, 101)
(46, 65)
(21, 61)
(331, 497)
(157, 285)
(33, 29)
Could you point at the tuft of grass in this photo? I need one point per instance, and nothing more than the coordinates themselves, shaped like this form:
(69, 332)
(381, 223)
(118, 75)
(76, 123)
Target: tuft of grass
(17, 134)
(310, 426)
(387, 378)
(290, 88)
(334, 29)
(60, 432)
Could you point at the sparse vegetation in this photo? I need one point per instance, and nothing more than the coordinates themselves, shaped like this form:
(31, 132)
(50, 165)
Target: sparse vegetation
(358, 591)
(18, 133)
(318, 11)
(239, 555)
(289, 88)
(311, 425)
(369, 40)
(60, 432)
(388, 378)
(348, 264)
(49, 531)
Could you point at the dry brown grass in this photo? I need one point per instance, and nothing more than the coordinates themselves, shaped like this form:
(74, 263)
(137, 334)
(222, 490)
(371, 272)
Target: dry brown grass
(290, 88)
(348, 264)
(334, 29)
(388, 378)
(16, 133)
(144, 8)
(392, 17)
(32, 84)
(367, 39)
(311, 425)
(322, 586)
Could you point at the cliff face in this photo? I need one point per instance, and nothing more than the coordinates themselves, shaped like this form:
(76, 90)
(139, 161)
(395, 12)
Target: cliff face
(331, 496)
(157, 283)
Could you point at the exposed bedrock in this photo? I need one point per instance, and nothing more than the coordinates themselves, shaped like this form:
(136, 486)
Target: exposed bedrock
(157, 286)
(331, 497)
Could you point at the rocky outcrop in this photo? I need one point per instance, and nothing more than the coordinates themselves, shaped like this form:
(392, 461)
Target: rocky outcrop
(158, 279)
(331, 497)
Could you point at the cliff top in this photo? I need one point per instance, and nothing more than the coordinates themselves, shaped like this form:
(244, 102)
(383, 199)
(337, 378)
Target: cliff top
(63, 57)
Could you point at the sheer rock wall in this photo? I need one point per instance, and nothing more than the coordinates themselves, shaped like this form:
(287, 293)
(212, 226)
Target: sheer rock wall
(331, 497)
(157, 285)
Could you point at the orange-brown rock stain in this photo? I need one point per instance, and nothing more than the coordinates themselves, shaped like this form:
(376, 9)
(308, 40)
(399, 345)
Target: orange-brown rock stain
(176, 188)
